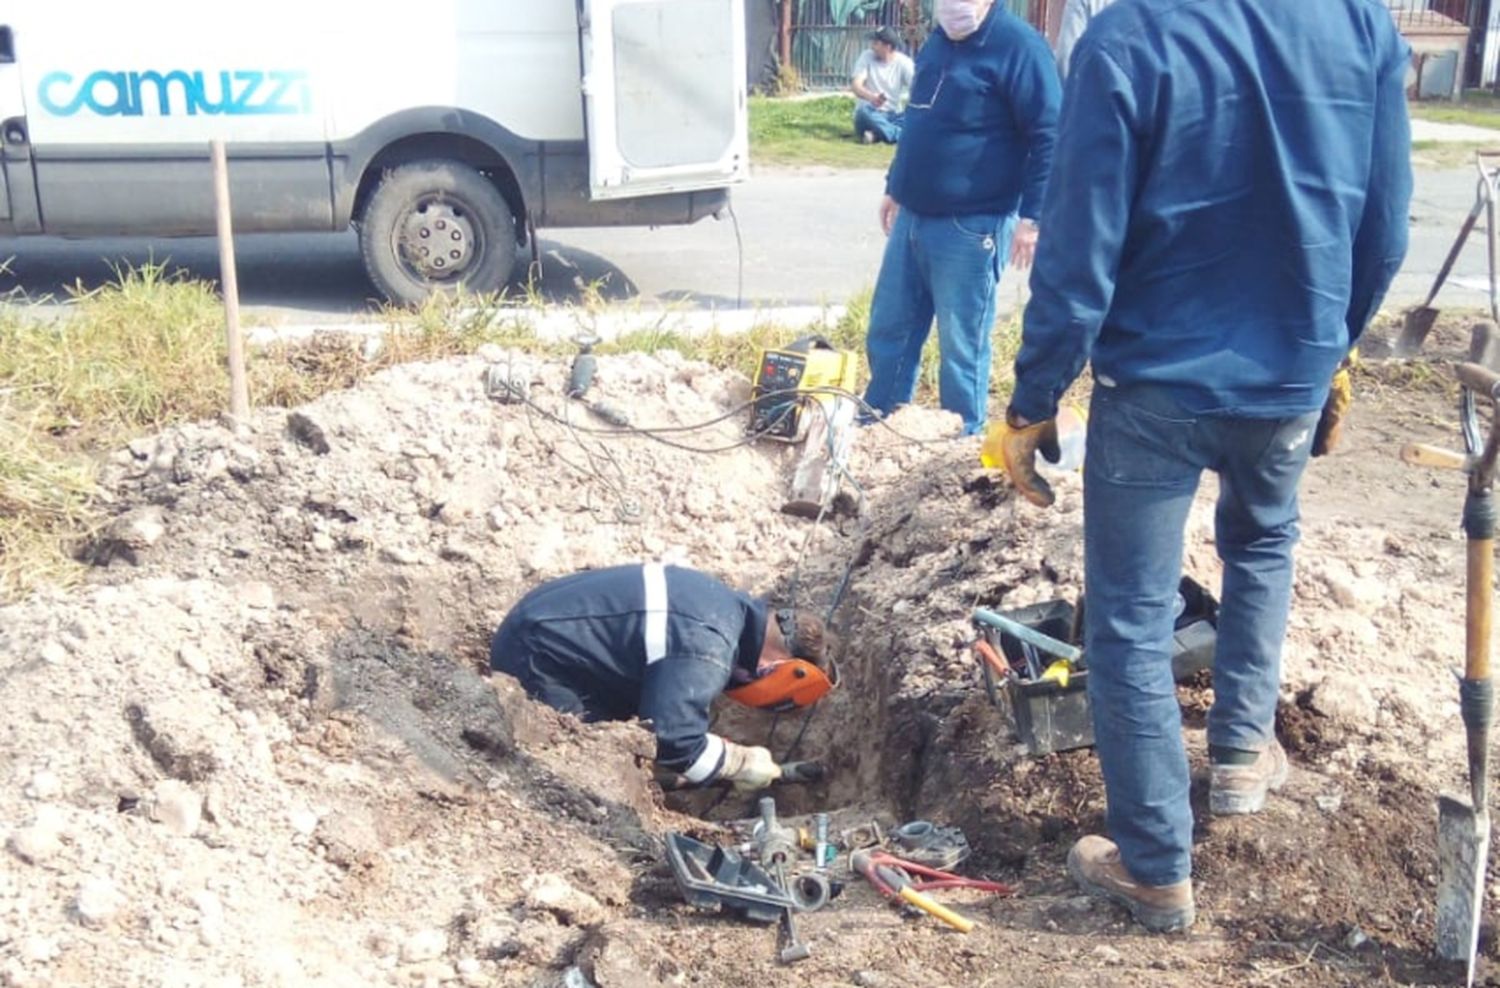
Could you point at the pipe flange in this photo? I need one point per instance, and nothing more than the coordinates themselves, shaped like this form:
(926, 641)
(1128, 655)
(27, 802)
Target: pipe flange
(811, 891)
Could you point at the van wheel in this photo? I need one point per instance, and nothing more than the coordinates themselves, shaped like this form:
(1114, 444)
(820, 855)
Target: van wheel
(437, 226)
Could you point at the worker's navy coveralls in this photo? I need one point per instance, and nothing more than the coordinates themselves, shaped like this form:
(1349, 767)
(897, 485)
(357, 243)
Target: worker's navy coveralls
(655, 642)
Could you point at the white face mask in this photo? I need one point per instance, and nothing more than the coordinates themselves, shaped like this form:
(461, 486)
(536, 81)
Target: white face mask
(959, 18)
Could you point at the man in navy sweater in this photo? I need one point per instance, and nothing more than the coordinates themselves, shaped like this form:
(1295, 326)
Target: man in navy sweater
(661, 643)
(976, 146)
(1228, 209)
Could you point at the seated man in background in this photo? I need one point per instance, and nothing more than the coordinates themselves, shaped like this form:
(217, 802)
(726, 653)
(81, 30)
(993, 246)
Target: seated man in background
(882, 85)
(661, 643)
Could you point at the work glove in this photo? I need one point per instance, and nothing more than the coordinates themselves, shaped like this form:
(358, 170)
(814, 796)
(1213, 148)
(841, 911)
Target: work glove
(1019, 443)
(748, 769)
(1340, 396)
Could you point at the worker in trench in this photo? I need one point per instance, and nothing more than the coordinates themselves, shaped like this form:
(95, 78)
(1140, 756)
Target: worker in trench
(662, 643)
(1227, 209)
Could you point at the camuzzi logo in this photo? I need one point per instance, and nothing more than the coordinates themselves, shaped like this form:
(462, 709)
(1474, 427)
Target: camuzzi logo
(177, 93)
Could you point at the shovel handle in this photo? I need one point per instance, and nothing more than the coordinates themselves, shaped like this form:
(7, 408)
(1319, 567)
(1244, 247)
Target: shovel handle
(1481, 580)
(1424, 455)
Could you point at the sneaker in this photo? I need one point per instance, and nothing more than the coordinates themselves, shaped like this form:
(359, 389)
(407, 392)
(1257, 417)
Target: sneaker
(1236, 789)
(868, 137)
(1094, 864)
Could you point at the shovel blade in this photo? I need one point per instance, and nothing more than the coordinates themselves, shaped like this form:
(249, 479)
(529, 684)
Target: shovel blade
(1414, 330)
(1463, 849)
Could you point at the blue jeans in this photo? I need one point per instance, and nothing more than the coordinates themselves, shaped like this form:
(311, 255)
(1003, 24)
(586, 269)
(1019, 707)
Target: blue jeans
(886, 126)
(1145, 457)
(947, 267)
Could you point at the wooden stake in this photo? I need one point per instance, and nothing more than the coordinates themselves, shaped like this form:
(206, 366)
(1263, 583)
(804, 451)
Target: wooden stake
(239, 388)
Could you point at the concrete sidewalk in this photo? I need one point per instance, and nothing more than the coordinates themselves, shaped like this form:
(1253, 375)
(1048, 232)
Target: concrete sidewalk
(1428, 131)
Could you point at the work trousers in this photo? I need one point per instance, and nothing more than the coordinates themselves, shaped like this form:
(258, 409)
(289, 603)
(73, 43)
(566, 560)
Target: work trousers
(1145, 458)
(885, 125)
(946, 267)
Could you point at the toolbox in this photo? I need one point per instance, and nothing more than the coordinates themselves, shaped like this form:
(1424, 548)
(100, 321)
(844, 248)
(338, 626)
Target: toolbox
(1195, 629)
(1052, 715)
(1048, 715)
(1195, 632)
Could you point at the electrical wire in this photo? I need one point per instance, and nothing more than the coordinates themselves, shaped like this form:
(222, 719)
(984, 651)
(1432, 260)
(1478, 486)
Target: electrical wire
(739, 246)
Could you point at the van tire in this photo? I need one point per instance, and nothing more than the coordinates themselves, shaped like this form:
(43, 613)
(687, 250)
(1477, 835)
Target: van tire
(437, 226)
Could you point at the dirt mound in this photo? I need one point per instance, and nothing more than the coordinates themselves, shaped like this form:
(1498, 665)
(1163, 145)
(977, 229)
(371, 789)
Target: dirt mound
(262, 749)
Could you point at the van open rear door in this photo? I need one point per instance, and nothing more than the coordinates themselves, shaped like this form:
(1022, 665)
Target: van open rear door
(664, 95)
(19, 212)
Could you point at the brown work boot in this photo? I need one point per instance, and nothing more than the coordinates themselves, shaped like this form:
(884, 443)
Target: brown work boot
(1242, 788)
(1094, 863)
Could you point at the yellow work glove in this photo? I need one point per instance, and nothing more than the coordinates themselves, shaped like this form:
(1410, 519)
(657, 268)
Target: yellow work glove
(1019, 444)
(748, 769)
(1340, 396)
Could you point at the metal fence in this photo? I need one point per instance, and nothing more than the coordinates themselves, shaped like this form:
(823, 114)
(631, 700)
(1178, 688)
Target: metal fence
(828, 35)
(1433, 13)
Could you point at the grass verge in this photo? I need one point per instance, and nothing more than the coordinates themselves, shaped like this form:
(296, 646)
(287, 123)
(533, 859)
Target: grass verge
(46, 505)
(1444, 154)
(147, 352)
(1478, 108)
(817, 131)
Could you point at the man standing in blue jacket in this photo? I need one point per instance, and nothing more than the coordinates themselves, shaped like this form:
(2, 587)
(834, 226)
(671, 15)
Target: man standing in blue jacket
(662, 643)
(976, 146)
(1228, 209)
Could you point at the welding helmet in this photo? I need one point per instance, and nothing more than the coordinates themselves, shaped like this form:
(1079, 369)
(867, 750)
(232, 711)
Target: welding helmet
(791, 683)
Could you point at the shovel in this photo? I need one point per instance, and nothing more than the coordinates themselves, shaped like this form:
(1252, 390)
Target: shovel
(1464, 828)
(1419, 321)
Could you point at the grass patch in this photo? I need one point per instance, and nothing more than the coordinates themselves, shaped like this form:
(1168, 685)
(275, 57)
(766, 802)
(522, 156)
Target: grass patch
(741, 352)
(46, 503)
(811, 132)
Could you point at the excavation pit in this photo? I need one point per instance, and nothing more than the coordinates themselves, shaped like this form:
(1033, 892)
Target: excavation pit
(306, 644)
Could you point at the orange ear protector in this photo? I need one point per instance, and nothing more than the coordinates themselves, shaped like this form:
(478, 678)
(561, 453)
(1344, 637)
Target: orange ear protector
(786, 686)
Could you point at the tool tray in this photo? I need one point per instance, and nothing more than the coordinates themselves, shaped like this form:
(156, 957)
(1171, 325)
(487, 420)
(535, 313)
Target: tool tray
(711, 877)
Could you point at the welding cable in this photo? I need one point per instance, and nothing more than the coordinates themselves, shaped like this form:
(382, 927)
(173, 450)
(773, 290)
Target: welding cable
(628, 431)
(655, 431)
(843, 585)
(627, 509)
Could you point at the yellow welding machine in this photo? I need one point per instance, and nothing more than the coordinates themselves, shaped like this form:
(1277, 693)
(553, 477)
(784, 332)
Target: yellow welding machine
(789, 380)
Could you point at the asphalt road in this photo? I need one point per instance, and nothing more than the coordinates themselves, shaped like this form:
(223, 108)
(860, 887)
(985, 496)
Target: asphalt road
(810, 237)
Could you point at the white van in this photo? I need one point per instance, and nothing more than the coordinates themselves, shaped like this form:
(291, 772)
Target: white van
(445, 131)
